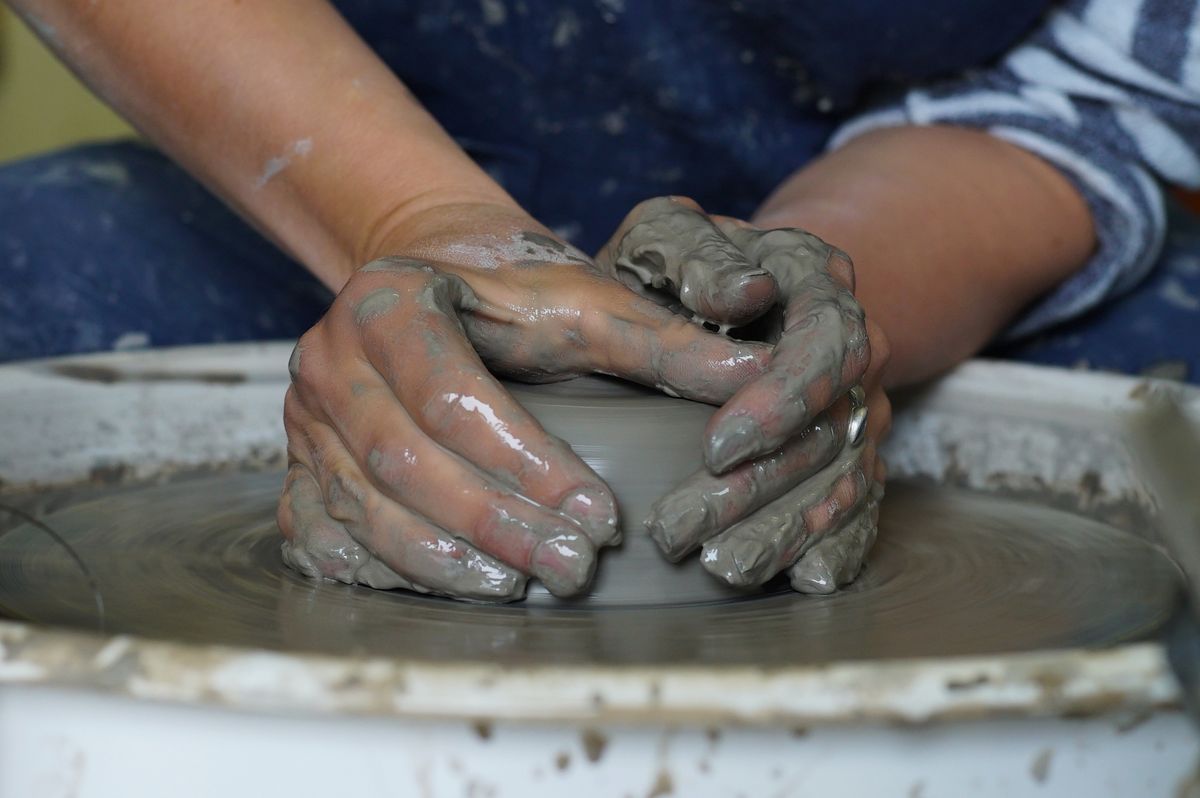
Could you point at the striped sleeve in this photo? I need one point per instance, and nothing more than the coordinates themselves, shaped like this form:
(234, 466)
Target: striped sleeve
(1109, 92)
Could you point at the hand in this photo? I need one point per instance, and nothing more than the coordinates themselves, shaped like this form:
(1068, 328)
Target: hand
(784, 488)
(410, 466)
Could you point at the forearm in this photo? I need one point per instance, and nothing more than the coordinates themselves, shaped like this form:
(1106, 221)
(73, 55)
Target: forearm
(280, 108)
(951, 231)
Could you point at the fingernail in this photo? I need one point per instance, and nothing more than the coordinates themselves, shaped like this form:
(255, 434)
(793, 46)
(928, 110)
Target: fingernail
(677, 524)
(738, 563)
(564, 563)
(754, 293)
(812, 575)
(482, 578)
(744, 279)
(595, 509)
(735, 440)
(748, 557)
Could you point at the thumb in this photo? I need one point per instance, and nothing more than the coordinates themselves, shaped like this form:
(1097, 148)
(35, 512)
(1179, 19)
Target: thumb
(669, 244)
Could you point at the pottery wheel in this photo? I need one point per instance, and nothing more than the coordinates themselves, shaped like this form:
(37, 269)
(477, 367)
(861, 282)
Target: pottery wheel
(953, 573)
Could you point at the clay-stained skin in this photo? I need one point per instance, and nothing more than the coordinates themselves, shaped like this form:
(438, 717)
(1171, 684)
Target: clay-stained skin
(430, 476)
(835, 559)
(523, 249)
(756, 505)
(822, 350)
(773, 539)
(376, 304)
(472, 404)
(422, 457)
(318, 546)
(677, 250)
(705, 504)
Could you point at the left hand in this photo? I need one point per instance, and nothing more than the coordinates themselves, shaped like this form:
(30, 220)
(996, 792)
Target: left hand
(783, 487)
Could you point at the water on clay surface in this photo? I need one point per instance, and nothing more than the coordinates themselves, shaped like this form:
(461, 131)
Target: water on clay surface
(953, 573)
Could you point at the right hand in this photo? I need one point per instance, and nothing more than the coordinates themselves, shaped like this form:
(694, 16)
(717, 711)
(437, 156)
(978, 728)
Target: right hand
(785, 487)
(411, 466)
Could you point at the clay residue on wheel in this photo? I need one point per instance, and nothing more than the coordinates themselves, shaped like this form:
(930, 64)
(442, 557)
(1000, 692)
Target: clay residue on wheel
(953, 573)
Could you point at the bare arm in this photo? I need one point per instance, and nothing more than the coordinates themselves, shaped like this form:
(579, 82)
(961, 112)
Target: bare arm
(952, 233)
(280, 108)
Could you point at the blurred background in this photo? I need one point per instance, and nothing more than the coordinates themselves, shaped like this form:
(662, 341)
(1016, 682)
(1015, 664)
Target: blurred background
(42, 105)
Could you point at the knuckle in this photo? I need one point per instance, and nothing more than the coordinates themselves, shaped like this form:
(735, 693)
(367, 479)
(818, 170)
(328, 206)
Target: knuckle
(787, 249)
(441, 294)
(390, 463)
(841, 267)
(881, 469)
(881, 347)
(884, 418)
(291, 411)
(302, 362)
(345, 493)
(296, 420)
(441, 404)
(488, 525)
(648, 209)
(284, 515)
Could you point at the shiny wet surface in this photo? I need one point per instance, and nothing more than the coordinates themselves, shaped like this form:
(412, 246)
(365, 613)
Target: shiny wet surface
(953, 573)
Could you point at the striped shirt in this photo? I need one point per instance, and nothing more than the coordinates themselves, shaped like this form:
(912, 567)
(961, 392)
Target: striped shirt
(1108, 91)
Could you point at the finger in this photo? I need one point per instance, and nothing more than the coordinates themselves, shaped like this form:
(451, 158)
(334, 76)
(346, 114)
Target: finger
(705, 504)
(430, 558)
(635, 339)
(750, 553)
(319, 547)
(415, 472)
(669, 244)
(837, 558)
(822, 353)
(455, 400)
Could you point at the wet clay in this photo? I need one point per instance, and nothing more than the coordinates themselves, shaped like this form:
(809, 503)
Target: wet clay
(952, 573)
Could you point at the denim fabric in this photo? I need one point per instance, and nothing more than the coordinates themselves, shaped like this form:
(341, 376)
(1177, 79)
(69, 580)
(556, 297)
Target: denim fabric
(581, 108)
(112, 246)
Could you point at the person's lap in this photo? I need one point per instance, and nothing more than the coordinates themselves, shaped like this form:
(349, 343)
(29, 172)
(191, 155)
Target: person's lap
(112, 246)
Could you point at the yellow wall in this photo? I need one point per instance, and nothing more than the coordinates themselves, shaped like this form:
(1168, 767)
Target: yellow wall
(42, 105)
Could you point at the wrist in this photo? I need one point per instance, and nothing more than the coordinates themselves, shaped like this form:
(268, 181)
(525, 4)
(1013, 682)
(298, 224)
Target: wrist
(416, 223)
(951, 231)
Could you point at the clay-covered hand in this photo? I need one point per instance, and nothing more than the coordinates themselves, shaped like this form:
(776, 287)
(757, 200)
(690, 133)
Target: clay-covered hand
(785, 488)
(411, 466)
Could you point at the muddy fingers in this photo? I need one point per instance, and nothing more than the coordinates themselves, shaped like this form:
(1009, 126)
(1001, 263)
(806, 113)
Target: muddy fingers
(669, 244)
(836, 559)
(426, 556)
(705, 504)
(773, 538)
(822, 351)
(320, 547)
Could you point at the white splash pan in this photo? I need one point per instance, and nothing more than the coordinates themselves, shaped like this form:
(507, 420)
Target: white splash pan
(90, 715)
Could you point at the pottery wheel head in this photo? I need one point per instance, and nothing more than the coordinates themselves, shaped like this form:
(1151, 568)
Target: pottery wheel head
(952, 573)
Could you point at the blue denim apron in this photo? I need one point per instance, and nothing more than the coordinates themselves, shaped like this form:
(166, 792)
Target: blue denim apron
(579, 108)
